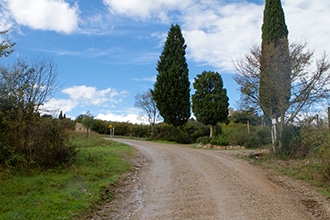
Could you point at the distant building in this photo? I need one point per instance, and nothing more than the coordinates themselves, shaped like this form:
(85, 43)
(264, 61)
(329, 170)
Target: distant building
(230, 112)
(80, 128)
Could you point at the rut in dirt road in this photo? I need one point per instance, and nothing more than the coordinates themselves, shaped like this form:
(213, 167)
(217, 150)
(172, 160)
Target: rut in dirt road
(185, 183)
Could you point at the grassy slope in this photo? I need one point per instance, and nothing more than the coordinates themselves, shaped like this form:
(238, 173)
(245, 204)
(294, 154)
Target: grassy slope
(65, 193)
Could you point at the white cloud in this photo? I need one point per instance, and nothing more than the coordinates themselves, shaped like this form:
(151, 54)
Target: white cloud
(83, 97)
(55, 15)
(131, 115)
(217, 32)
(54, 106)
(308, 21)
(145, 9)
(87, 95)
(216, 35)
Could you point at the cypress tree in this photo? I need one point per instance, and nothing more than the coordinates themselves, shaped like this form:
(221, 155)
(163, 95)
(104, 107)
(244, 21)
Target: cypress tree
(275, 72)
(172, 88)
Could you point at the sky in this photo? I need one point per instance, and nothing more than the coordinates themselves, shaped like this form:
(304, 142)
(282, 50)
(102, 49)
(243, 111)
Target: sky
(106, 51)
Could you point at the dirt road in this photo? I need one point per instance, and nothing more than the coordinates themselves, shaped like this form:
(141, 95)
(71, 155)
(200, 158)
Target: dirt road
(178, 182)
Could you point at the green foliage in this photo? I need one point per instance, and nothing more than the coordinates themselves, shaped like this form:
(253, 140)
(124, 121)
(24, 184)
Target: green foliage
(172, 88)
(168, 132)
(42, 144)
(220, 140)
(101, 126)
(291, 143)
(196, 129)
(71, 193)
(26, 139)
(87, 120)
(237, 134)
(245, 116)
(275, 84)
(324, 154)
(274, 26)
(312, 139)
(260, 136)
(210, 101)
(204, 140)
(275, 78)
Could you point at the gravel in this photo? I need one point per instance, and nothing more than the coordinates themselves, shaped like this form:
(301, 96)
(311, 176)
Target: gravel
(179, 182)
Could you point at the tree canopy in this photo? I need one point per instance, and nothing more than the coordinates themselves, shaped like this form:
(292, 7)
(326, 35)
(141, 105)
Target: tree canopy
(275, 85)
(210, 101)
(172, 88)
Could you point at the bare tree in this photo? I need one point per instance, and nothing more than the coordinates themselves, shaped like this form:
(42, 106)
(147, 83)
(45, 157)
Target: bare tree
(24, 88)
(310, 81)
(147, 104)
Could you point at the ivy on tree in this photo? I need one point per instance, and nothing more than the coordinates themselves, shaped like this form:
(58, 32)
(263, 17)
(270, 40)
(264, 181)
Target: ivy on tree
(172, 88)
(210, 101)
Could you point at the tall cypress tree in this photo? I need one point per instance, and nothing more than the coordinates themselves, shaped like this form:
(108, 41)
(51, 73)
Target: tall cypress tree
(172, 88)
(275, 72)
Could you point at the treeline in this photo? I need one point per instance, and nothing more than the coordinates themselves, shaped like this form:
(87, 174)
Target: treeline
(243, 128)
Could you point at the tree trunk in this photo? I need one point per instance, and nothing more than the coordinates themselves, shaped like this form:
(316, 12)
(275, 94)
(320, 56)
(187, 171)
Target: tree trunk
(281, 128)
(211, 131)
(273, 132)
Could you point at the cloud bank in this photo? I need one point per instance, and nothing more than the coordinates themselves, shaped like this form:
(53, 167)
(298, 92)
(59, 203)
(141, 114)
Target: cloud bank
(50, 15)
(83, 97)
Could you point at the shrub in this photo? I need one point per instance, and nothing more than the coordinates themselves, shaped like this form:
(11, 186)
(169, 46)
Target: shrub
(204, 140)
(219, 140)
(43, 144)
(324, 155)
(264, 135)
(49, 145)
(253, 141)
(196, 129)
(291, 142)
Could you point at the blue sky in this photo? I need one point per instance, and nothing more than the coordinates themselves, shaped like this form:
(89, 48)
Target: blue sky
(107, 51)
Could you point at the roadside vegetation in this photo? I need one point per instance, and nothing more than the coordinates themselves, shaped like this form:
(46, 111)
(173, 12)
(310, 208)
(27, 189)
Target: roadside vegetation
(73, 192)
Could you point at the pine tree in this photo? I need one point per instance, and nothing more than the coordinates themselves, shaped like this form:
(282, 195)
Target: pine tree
(275, 83)
(172, 88)
(210, 101)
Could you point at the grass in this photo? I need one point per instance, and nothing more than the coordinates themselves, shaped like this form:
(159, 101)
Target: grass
(307, 169)
(70, 193)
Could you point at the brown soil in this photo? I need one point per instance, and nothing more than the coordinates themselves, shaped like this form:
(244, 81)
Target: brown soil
(178, 182)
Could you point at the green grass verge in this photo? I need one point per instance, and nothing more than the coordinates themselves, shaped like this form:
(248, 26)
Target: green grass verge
(70, 193)
(307, 169)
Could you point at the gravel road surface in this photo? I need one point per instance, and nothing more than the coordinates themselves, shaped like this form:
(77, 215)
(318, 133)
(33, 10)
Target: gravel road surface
(180, 182)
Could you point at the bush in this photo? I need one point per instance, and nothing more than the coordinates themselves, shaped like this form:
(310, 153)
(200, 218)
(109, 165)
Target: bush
(253, 142)
(291, 143)
(204, 140)
(323, 153)
(236, 134)
(219, 140)
(49, 146)
(42, 144)
(196, 129)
